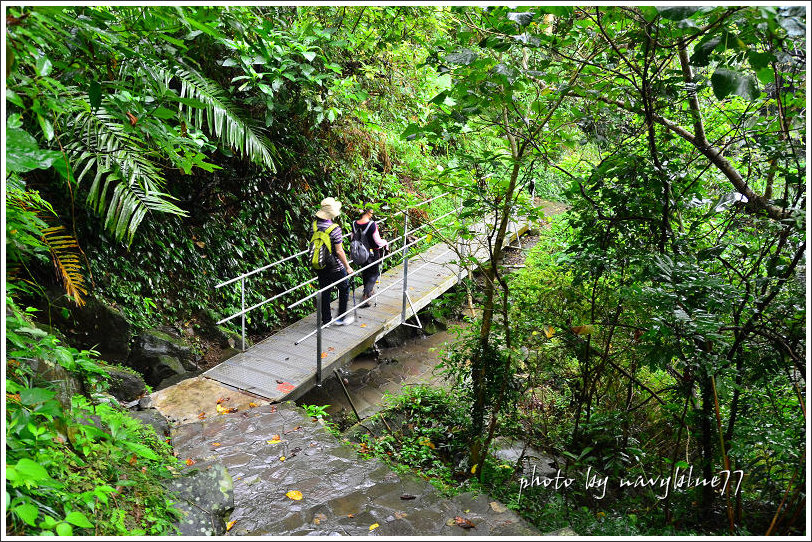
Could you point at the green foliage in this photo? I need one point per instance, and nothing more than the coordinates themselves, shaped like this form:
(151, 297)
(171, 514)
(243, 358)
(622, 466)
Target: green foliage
(429, 439)
(315, 411)
(83, 470)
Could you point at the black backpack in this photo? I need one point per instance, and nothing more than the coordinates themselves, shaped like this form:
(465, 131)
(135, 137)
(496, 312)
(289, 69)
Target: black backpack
(359, 248)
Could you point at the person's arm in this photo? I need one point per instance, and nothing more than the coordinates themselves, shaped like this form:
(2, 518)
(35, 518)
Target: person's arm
(376, 236)
(342, 257)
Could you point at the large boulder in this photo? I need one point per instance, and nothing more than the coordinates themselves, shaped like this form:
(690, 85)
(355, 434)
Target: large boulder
(206, 498)
(158, 355)
(64, 383)
(154, 418)
(207, 327)
(93, 325)
(125, 384)
(397, 337)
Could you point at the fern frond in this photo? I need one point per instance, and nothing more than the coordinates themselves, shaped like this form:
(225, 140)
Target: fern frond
(123, 171)
(65, 255)
(223, 118)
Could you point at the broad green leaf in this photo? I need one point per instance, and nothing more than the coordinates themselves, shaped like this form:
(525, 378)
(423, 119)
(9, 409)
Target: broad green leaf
(164, 113)
(29, 470)
(139, 449)
(759, 60)
(32, 396)
(14, 98)
(309, 55)
(47, 127)
(28, 513)
(676, 13)
(23, 154)
(63, 529)
(44, 66)
(766, 75)
(726, 82)
(78, 519)
(461, 56)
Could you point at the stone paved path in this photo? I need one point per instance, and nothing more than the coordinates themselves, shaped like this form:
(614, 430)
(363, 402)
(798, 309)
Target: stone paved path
(342, 494)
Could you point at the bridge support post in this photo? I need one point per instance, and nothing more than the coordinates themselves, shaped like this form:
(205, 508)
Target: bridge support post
(405, 264)
(318, 339)
(242, 299)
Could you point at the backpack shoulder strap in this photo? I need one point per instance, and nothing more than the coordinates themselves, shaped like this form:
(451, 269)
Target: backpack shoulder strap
(371, 222)
(331, 228)
(315, 226)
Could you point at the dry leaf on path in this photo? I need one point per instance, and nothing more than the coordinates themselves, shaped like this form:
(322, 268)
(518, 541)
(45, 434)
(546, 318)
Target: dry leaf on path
(190, 462)
(230, 524)
(201, 415)
(373, 526)
(498, 507)
(294, 495)
(407, 497)
(464, 522)
(216, 444)
(252, 405)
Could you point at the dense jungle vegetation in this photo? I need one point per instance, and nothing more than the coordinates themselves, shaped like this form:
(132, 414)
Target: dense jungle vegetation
(660, 325)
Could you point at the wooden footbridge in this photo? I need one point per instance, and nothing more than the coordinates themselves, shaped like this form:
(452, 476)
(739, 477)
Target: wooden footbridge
(289, 363)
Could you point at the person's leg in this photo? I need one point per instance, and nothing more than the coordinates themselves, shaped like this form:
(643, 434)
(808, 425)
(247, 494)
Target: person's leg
(324, 280)
(343, 291)
(371, 278)
(366, 275)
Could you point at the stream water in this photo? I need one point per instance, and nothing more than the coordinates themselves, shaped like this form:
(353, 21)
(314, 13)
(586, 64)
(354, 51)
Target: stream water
(369, 378)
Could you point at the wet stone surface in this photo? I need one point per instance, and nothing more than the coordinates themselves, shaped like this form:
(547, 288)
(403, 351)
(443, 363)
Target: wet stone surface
(271, 450)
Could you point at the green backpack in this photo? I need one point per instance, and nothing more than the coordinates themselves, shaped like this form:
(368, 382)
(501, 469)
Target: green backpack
(320, 252)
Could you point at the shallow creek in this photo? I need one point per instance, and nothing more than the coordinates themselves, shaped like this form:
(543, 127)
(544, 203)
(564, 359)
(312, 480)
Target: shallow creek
(368, 377)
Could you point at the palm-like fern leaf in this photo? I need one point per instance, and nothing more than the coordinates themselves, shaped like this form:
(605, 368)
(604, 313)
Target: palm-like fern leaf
(121, 162)
(223, 118)
(65, 254)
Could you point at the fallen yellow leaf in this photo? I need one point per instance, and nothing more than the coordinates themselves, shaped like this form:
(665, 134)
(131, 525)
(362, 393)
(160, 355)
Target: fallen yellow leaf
(216, 444)
(274, 440)
(363, 325)
(473, 469)
(373, 526)
(252, 405)
(324, 354)
(230, 524)
(282, 458)
(294, 494)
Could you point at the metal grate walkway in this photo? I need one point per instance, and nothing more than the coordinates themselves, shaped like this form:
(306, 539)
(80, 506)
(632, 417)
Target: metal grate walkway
(280, 370)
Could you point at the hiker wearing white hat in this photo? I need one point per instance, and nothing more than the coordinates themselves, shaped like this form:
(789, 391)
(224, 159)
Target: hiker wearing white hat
(339, 266)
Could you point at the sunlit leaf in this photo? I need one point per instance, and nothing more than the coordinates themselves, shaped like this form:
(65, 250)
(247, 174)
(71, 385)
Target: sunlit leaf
(294, 494)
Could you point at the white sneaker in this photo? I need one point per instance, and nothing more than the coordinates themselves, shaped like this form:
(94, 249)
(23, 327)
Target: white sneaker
(347, 320)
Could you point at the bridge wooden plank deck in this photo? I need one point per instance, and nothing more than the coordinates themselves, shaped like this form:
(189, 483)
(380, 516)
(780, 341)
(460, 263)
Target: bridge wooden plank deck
(280, 370)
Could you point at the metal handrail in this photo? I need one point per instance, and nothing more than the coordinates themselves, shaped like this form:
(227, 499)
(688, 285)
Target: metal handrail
(263, 268)
(380, 291)
(355, 272)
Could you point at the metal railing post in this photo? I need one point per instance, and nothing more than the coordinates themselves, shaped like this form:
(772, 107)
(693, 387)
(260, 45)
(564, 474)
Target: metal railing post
(242, 299)
(461, 249)
(405, 263)
(318, 339)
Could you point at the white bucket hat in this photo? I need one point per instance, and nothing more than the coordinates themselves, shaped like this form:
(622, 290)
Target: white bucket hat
(330, 208)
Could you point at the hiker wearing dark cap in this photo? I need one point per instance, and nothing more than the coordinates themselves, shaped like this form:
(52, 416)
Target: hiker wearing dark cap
(339, 266)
